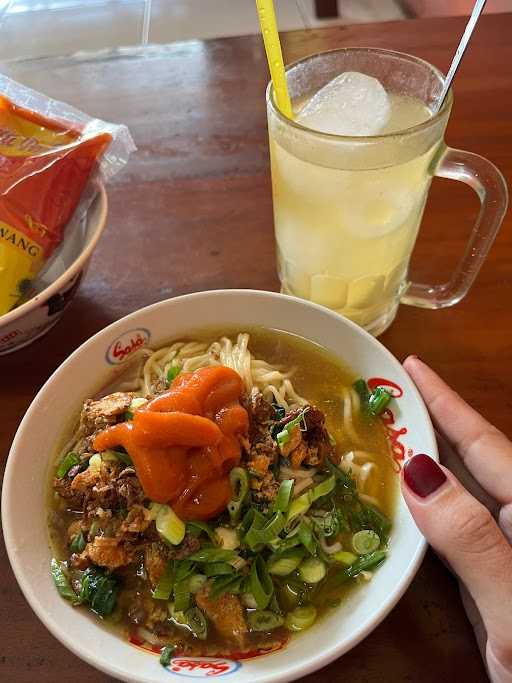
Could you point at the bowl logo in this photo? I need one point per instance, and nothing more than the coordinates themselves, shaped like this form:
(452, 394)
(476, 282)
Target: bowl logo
(201, 667)
(126, 344)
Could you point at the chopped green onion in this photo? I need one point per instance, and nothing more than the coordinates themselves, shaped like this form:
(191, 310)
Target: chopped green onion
(273, 527)
(163, 588)
(302, 504)
(261, 585)
(282, 438)
(301, 618)
(169, 525)
(363, 563)
(285, 563)
(69, 461)
(196, 621)
(196, 582)
(181, 595)
(264, 620)
(226, 584)
(312, 570)
(213, 555)
(362, 389)
(62, 583)
(328, 523)
(166, 654)
(365, 542)
(306, 537)
(345, 558)
(78, 543)
(369, 517)
(239, 481)
(331, 438)
(252, 516)
(284, 495)
(128, 415)
(227, 538)
(379, 400)
(218, 569)
(247, 600)
(173, 372)
(196, 527)
(117, 455)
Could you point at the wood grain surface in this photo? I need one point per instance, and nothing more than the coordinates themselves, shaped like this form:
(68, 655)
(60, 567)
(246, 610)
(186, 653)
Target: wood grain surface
(193, 211)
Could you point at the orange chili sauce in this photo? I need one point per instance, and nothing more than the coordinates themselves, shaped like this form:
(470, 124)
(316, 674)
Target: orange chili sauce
(185, 442)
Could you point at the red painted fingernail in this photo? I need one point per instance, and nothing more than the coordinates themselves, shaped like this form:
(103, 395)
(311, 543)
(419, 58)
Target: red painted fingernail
(423, 475)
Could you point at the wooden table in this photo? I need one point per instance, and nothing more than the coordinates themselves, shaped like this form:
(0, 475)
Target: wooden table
(193, 212)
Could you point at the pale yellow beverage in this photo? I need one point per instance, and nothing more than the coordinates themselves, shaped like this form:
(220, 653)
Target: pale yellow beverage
(346, 218)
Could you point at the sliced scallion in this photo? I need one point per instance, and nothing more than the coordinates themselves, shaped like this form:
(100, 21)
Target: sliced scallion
(166, 654)
(272, 528)
(284, 495)
(196, 582)
(213, 555)
(379, 400)
(239, 480)
(197, 623)
(285, 563)
(196, 527)
(301, 618)
(173, 372)
(345, 558)
(163, 588)
(264, 620)
(169, 525)
(218, 569)
(312, 570)
(261, 585)
(365, 542)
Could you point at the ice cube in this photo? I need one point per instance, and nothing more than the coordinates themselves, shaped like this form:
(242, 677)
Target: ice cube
(350, 104)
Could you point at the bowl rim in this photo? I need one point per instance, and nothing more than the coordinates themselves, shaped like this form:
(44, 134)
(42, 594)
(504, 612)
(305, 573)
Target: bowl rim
(74, 268)
(295, 669)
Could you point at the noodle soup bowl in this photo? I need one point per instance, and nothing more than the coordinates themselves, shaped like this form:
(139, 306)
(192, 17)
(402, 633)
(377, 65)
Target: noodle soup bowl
(102, 361)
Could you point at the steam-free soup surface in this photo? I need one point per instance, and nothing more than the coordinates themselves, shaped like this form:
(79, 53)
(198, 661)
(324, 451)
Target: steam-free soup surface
(281, 514)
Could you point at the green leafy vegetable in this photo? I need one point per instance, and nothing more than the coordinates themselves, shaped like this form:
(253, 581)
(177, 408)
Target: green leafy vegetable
(99, 590)
(213, 555)
(62, 583)
(282, 564)
(69, 461)
(239, 480)
(78, 543)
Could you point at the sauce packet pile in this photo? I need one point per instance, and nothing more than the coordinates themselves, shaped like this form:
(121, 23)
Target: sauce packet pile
(49, 154)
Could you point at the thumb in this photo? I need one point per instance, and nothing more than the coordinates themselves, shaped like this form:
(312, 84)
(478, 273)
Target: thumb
(463, 531)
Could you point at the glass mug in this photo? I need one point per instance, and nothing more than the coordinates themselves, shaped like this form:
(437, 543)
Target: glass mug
(347, 209)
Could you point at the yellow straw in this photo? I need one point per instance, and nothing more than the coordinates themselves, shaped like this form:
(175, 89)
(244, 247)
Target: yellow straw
(267, 17)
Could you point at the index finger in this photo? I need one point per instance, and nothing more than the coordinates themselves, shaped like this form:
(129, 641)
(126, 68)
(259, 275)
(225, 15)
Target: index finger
(486, 451)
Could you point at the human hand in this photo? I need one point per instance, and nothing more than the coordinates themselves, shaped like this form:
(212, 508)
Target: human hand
(462, 529)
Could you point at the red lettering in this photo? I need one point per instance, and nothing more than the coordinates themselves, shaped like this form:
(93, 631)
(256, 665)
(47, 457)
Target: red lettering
(396, 390)
(120, 352)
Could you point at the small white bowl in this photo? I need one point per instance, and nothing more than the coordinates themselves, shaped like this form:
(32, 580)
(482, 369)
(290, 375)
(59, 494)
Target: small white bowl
(38, 315)
(98, 362)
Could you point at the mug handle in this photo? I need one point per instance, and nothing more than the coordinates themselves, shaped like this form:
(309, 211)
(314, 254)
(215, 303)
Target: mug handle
(491, 188)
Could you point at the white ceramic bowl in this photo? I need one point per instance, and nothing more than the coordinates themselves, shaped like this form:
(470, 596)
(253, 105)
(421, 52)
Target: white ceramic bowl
(95, 364)
(38, 315)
